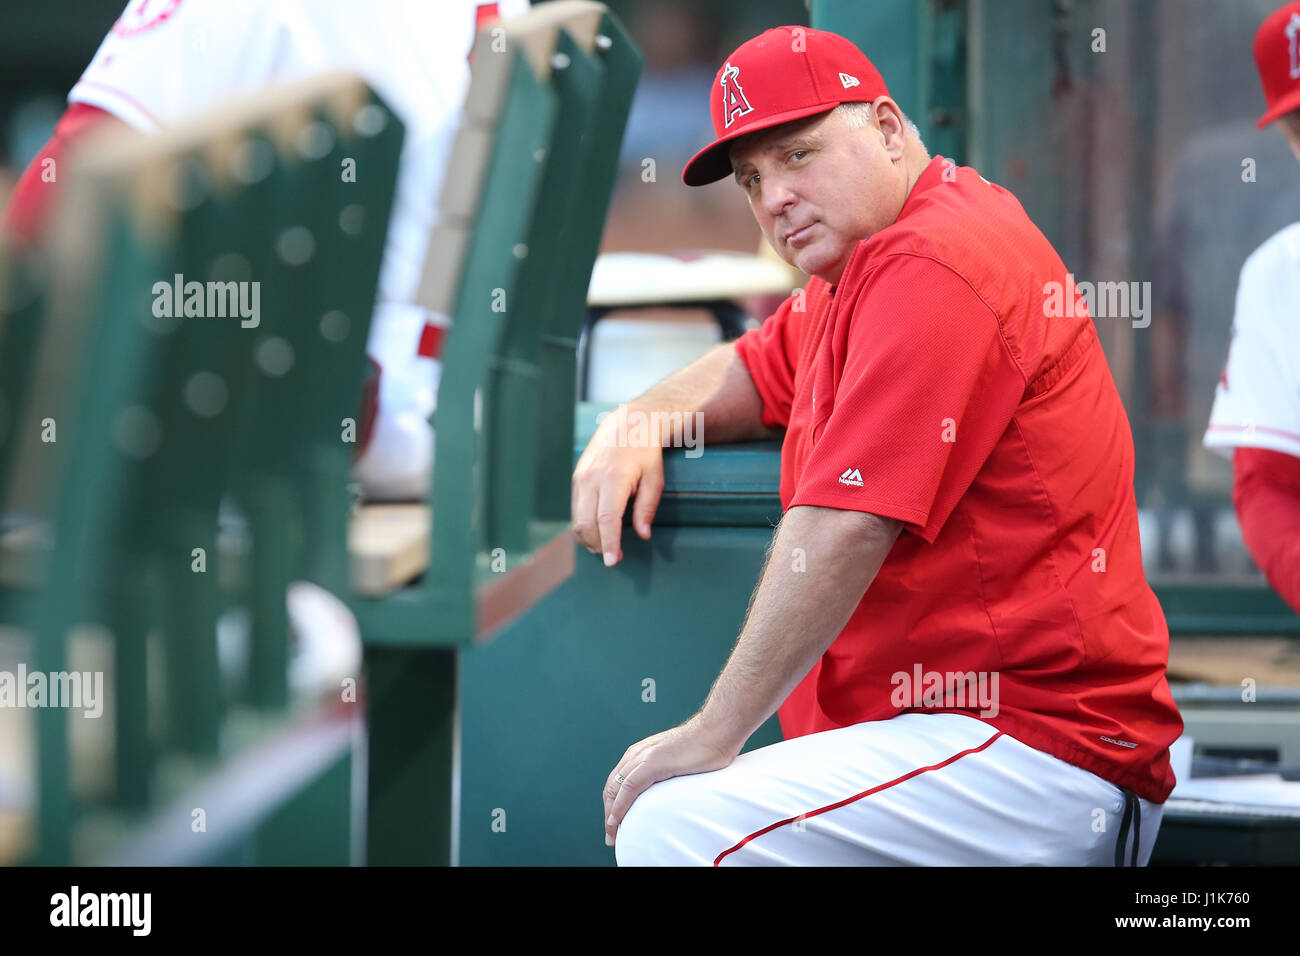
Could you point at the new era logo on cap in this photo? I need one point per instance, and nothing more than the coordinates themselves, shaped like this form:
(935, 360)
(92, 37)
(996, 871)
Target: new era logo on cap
(846, 80)
(851, 476)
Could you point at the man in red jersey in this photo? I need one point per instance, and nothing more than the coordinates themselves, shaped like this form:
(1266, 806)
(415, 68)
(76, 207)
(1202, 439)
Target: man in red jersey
(1256, 416)
(953, 620)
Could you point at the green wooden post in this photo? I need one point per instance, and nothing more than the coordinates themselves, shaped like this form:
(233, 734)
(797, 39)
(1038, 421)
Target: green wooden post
(22, 301)
(275, 544)
(54, 792)
(411, 703)
(330, 324)
(84, 556)
(516, 425)
(269, 492)
(531, 234)
(194, 704)
(131, 603)
(411, 710)
(620, 66)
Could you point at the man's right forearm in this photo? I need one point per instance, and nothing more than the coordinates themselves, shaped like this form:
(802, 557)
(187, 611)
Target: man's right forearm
(714, 394)
(719, 388)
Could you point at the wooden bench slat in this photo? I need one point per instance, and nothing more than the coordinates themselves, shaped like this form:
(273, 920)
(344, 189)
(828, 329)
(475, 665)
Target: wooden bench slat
(389, 546)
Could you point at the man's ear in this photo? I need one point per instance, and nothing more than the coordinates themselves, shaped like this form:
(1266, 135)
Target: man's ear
(892, 126)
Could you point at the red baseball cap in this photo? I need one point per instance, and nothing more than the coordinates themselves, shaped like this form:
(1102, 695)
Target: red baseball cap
(1277, 55)
(784, 74)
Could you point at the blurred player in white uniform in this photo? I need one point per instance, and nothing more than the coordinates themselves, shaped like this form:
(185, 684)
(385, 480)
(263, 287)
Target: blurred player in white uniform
(165, 60)
(1256, 416)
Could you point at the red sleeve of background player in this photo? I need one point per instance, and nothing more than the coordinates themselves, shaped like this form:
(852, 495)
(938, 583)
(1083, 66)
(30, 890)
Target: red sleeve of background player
(31, 204)
(1266, 495)
(921, 388)
(770, 353)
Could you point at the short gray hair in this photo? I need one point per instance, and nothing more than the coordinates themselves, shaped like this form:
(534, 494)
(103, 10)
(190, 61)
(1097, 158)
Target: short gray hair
(858, 114)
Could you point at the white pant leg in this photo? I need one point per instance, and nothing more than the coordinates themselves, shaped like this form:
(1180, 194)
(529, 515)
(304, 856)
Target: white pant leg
(919, 789)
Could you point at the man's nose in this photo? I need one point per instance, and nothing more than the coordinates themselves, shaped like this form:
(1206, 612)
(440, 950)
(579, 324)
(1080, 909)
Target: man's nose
(777, 196)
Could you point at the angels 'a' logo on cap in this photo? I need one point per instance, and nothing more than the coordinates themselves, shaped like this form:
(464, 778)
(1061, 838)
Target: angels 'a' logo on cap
(734, 102)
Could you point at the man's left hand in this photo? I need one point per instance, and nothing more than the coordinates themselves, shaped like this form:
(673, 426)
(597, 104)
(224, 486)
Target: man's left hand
(685, 749)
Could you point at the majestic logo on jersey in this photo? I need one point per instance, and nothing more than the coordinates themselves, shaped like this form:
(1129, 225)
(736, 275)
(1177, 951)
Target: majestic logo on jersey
(1293, 35)
(734, 102)
(847, 80)
(851, 476)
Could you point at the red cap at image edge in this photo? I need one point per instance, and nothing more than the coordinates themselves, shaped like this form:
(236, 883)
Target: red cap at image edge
(1277, 56)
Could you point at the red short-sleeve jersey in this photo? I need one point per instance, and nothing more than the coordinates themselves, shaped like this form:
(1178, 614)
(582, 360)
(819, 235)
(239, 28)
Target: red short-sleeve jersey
(937, 384)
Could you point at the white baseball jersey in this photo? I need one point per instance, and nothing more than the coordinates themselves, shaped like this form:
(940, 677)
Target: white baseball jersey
(165, 60)
(1257, 402)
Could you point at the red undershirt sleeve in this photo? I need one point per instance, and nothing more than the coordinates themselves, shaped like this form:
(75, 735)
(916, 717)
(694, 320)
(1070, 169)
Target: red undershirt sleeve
(1266, 495)
(32, 202)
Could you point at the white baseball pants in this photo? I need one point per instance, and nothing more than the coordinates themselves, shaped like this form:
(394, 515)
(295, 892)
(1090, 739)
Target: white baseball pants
(919, 789)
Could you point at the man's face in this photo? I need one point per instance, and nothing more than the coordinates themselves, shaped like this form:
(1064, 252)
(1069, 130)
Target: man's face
(817, 187)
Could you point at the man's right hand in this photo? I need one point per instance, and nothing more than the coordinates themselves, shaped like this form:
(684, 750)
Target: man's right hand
(606, 476)
(716, 386)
